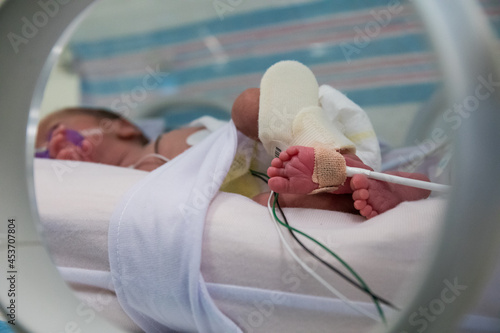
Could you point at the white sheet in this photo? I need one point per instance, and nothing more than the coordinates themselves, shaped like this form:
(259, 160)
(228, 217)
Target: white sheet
(240, 248)
(155, 240)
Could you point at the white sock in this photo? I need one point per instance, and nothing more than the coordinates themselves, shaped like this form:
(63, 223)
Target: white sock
(290, 113)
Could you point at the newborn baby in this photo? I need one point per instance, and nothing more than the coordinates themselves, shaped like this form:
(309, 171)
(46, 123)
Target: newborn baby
(108, 138)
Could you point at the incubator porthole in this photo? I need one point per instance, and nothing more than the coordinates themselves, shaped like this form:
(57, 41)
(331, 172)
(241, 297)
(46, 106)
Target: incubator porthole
(179, 64)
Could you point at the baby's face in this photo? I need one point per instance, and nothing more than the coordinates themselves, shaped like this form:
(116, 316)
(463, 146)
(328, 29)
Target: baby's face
(78, 123)
(98, 145)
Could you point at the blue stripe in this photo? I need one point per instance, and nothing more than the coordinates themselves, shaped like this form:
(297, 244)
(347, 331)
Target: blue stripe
(256, 46)
(392, 95)
(370, 97)
(412, 43)
(409, 69)
(232, 23)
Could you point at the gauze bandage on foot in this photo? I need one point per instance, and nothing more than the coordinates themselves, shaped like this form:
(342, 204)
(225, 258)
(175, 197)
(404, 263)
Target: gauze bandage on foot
(290, 115)
(329, 170)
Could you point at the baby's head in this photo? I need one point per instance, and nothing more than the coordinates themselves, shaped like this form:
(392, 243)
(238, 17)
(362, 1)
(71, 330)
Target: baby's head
(110, 135)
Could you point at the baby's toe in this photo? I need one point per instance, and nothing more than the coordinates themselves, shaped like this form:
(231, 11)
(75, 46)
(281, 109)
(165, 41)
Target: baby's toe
(277, 163)
(366, 211)
(361, 194)
(292, 151)
(285, 156)
(360, 204)
(359, 182)
(279, 184)
(275, 172)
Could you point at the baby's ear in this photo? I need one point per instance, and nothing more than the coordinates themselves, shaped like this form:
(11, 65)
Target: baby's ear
(126, 131)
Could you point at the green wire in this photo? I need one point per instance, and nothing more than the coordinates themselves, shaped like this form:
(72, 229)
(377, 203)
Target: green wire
(253, 172)
(353, 272)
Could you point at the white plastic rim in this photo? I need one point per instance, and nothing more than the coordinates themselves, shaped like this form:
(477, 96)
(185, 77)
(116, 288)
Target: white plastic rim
(469, 242)
(32, 36)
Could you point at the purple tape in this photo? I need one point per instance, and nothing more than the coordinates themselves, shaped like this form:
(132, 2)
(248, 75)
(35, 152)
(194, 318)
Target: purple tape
(71, 136)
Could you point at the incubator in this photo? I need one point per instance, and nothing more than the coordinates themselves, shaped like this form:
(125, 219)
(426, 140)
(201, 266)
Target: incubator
(425, 71)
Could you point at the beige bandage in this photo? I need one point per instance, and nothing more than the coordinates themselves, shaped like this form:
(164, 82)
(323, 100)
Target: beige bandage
(311, 127)
(329, 170)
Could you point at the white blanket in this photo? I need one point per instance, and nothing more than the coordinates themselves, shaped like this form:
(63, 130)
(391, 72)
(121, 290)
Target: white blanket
(240, 250)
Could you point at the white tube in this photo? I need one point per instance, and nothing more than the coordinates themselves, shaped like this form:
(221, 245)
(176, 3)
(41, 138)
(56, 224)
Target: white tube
(350, 171)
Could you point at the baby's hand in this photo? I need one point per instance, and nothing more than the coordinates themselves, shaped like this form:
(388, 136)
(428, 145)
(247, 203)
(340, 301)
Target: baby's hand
(63, 149)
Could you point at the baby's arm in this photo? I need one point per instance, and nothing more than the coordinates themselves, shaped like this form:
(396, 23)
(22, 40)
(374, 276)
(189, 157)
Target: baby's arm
(174, 143)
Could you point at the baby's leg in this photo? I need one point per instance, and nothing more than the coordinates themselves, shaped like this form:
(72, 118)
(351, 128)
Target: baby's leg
(292, 173)
(325, 201)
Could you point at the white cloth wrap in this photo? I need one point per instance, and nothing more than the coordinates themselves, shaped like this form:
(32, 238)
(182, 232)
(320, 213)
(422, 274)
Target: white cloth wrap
(155, 241)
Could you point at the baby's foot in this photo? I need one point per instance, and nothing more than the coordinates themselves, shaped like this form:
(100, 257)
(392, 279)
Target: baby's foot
(292, 171)
(372, 197)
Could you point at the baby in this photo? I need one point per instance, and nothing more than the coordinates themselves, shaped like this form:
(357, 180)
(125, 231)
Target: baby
(107, 138)
(111, 139)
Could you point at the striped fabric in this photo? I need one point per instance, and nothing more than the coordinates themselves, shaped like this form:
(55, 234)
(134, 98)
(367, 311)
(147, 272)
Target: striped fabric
(374, 51)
